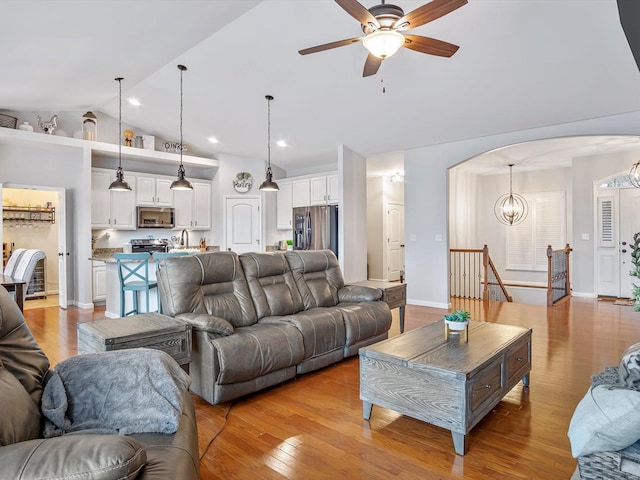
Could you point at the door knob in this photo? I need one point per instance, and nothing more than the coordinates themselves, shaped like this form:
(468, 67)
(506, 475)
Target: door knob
(61, 254)
(624, 250)
(624, 243)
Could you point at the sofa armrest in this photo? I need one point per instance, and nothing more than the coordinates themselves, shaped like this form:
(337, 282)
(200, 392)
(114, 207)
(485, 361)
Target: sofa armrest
(71, 457)
(207, 323)
(359, 293)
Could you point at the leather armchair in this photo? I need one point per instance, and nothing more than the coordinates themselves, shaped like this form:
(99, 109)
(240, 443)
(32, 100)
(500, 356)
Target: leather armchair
(24, 454)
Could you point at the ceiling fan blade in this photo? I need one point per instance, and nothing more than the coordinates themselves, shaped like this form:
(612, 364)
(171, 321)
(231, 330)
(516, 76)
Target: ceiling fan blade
(359, 12)
(430, 45)
(371, 65)
(328, 46)
(428, 13)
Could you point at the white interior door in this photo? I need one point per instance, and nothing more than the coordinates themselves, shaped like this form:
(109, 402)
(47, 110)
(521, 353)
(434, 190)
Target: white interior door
(244, 231)
(629, 225)
(395, 240)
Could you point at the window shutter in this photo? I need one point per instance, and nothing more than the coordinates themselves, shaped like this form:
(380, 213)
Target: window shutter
(606, 237)
(545, 225)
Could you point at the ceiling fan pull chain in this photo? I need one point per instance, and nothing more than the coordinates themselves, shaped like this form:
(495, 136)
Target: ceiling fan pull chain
(384, 88)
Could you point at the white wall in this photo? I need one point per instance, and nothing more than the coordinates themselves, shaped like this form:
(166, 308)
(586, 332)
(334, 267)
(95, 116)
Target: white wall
(352, 218)
(426, 195)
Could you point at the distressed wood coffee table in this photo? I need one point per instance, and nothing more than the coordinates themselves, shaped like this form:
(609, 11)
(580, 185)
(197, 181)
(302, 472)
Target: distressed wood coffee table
(448, 383)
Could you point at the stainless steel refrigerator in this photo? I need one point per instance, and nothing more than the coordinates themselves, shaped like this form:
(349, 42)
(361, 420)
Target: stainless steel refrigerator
(315, 228)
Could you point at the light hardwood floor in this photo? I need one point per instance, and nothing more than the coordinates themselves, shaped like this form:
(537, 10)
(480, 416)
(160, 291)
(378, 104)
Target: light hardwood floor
(312, 427)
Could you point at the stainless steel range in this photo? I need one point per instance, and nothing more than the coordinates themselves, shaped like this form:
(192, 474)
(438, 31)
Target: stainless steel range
(149, 245)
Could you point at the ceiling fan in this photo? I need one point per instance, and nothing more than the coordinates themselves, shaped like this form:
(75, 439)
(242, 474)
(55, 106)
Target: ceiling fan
(383, 24)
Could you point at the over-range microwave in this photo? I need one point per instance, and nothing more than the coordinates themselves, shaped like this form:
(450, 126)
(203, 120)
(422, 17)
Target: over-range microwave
(156, 217)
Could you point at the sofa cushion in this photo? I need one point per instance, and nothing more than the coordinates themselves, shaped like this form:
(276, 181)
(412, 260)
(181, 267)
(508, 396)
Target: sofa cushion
(606, 419)
(74, 457)
(317, 275)
(211, 283)
(364, 320)
(271, 284)
(19, 414)
(322, 329)
(257, 350)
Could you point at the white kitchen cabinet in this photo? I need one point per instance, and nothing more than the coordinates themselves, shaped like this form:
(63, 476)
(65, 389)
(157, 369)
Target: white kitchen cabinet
(284, 206)
(333, 190)
(99, 282)
(154, 191)
(300, 193)
(110, 209)
(318, 190)
(193, 207)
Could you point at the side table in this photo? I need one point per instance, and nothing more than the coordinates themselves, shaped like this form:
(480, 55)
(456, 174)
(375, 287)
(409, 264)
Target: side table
(150, 330)
(394, 294)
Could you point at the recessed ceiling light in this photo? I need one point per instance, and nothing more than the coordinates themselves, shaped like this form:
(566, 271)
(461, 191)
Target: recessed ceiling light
(213, 139)
(135, 102)
(281, 143)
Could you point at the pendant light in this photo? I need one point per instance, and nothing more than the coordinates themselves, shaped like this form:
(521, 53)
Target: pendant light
(119, 184)
(181, 183)
(269, 185)
(511, 208)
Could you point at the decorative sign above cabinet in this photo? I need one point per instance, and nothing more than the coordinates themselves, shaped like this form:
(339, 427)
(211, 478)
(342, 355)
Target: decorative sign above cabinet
(243, 182)
(174, 147)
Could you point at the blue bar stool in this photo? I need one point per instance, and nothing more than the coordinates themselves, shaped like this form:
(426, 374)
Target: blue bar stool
(157, 256)
(133, 271)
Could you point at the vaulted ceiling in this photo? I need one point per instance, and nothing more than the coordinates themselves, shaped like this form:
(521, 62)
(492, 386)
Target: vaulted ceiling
(521, 64)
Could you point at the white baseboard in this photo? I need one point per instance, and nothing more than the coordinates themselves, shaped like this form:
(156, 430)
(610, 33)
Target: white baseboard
(422, 303)
(584, 294)
(84, 306)
(110, 315)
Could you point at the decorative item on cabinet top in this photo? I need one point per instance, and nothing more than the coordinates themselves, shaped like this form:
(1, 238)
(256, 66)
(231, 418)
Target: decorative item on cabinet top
(243, 182)
(48, 127)
(174, 147)
(8, 121)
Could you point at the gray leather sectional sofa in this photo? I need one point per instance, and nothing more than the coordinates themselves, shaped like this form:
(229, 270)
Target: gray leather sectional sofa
(262, 318)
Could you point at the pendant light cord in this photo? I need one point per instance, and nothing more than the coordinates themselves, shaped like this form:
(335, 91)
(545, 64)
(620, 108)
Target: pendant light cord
(182, 69)
(119, 79)
(269, 98)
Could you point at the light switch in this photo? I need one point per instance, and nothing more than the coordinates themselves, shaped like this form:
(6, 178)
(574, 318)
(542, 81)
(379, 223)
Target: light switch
(413, 237)
(585, 236)
(438, 238)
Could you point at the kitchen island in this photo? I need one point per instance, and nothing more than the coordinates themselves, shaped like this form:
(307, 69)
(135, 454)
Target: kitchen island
(112, 283)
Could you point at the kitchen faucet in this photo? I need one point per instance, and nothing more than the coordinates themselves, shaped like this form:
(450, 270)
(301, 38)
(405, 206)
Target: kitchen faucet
(182, 235)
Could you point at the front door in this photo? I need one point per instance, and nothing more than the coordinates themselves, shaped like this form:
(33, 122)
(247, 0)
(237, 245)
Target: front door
(629, 225)
(244, 231)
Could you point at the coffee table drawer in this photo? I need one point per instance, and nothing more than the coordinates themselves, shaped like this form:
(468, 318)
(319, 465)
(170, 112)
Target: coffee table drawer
(518, 360)
(485, 384)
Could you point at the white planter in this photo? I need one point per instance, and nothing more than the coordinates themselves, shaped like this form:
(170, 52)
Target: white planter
(456, 326)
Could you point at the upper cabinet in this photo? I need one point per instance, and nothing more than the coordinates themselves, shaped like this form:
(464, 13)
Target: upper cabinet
(284, 206)
(325, 190)
(154, 191)
(193, 207)
(300, 195)
(111, 209)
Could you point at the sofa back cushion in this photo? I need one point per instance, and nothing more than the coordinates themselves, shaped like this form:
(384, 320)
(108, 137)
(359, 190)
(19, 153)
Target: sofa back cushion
(271, 284)
(317, 275)
(212, 283)
(23, 367)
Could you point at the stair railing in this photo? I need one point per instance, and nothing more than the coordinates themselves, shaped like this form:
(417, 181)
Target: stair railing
(473, 275)
(558, 284)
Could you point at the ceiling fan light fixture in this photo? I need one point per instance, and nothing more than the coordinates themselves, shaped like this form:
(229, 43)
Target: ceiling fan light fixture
(383, 43)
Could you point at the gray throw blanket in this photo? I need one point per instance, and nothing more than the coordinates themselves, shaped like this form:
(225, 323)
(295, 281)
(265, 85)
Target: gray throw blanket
(629, 368)
(123, 391)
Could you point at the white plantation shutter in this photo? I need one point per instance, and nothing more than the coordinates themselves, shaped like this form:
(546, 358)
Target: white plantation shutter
(545, 225)
(606, 234)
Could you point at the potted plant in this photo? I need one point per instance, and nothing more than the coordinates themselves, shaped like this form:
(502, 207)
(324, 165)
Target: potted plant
(289, 244)
(635, 260)
(457, 320)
